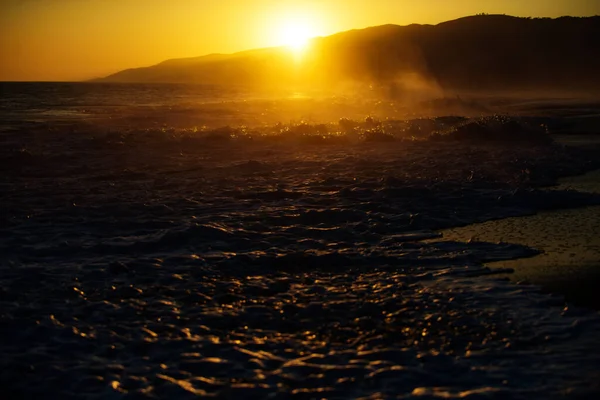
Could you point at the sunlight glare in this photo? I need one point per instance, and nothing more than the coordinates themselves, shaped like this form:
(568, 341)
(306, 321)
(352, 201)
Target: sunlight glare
(296, 31)
(295, 35)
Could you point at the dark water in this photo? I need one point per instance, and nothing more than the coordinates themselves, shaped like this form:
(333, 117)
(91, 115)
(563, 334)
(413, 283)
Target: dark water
(275, 261)
(121, 105)
(47, 101)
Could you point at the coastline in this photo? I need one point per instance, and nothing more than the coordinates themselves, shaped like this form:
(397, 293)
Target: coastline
(569, 264)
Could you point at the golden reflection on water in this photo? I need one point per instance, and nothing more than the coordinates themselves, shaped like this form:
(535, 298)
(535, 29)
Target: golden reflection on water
(299, 96)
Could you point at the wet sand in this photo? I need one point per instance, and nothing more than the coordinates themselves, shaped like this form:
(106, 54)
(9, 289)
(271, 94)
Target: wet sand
(569, 240)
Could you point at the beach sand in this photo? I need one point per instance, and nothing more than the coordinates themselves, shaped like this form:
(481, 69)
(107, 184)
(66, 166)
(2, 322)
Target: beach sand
(569, 240)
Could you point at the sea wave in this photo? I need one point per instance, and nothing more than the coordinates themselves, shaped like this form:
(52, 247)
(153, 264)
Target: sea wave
(177, 263)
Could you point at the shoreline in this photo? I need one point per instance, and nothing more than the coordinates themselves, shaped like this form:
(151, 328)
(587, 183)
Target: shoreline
(569, 265)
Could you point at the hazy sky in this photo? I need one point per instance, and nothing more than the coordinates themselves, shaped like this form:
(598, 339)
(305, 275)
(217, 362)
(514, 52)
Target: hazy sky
(80, 39)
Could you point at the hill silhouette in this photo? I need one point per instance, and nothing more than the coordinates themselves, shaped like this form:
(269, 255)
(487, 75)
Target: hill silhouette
(480, 52)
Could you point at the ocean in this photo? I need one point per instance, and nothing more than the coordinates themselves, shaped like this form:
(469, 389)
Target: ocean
(166, 241)
(42, 102)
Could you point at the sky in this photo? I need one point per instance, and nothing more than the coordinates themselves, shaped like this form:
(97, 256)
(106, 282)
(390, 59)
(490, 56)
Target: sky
(66, 40)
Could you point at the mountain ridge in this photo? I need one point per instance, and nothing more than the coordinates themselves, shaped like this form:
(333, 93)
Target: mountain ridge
(473, 52)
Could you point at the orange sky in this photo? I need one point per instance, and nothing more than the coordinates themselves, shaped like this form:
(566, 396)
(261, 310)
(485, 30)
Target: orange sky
(65, 40)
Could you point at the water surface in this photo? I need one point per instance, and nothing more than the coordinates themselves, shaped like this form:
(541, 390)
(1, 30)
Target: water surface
(144, 258)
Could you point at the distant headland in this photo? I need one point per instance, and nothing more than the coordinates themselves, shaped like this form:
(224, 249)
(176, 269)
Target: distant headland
(482, 52)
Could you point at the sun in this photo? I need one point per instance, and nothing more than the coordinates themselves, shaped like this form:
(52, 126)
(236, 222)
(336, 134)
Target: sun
(295, 30)
(293, 27)
(296, 35)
